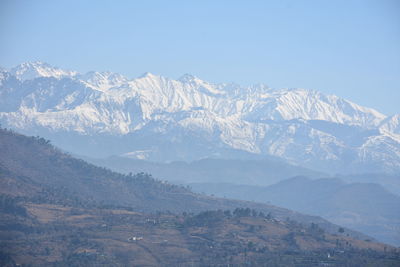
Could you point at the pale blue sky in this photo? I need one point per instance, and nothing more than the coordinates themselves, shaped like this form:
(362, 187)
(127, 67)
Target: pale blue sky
(348, 48)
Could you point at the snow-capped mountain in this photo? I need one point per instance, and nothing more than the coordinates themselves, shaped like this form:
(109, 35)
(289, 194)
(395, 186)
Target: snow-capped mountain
(164, 119)
(391, 124)
(31, 70)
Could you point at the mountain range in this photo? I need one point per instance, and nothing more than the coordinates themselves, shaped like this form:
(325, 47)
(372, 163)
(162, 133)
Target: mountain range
(152, 117)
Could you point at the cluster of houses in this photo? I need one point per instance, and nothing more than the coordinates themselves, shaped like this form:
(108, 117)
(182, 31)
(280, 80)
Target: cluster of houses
(135, 238)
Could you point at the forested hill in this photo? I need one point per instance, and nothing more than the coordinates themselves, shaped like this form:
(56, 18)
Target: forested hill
(32, 168)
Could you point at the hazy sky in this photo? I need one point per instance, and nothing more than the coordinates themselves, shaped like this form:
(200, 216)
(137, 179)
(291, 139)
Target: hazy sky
(348, 48)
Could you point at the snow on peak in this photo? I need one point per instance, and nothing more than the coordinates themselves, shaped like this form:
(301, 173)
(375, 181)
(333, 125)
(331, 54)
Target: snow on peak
(391, 124)
(187, 78)
(102, 81)
(255, 103)
(32, 70)
(296, 124)
(148, 75)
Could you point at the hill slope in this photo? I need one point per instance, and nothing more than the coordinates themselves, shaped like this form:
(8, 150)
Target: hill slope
(59, 211)
(31, 167)
(57, 235)
(366, 207)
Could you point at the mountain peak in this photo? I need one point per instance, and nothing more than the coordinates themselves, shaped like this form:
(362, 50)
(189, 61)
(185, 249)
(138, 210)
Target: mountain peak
(187, 78)
(36, 63)
(35, 69)
(391, 124)
(102, 81)
(148, 75)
